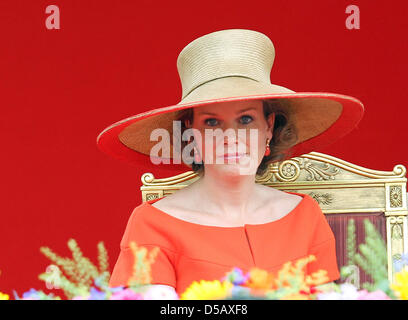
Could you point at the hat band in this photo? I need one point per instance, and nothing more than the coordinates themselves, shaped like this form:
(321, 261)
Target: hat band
(233, 75)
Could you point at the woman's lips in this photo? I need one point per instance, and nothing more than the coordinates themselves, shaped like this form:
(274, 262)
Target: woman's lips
(233, 155)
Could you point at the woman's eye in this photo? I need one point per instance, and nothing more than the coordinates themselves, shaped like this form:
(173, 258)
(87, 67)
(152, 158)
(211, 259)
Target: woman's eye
(246, 119)
(211, 122)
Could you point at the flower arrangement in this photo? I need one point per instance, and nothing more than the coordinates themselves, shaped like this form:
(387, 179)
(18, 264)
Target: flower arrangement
(290, 282)
(80, 279)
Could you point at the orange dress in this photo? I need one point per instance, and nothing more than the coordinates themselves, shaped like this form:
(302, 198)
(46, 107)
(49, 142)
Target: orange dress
(190, 251)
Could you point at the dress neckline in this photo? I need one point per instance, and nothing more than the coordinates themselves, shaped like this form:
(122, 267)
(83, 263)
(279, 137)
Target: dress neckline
(280, 220)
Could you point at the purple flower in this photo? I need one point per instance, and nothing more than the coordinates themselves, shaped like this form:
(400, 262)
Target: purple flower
(116, 289)
(401, 263)
(32, 294)
(236, 276)
(96, 294)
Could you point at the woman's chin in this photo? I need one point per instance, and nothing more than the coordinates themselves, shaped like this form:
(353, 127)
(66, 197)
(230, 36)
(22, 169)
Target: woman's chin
(237, 168)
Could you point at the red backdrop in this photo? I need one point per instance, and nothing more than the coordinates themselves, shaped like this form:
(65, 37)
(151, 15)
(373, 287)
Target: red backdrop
(113, 59)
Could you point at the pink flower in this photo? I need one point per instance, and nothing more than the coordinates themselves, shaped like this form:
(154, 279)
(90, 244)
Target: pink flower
(347, 292)
(160, 292)
(126, 294)
(80, 298)
(375, 295)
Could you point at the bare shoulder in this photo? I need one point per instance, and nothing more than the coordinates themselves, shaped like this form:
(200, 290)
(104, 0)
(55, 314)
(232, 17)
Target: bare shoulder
(166, 202)
(175, 204)
(280, 200)
(183, 205)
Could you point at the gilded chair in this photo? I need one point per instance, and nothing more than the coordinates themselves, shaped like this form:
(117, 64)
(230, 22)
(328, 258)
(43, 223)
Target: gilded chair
(343, 191)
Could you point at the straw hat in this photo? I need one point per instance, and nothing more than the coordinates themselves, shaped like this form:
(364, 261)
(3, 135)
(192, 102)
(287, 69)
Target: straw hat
(233, 65)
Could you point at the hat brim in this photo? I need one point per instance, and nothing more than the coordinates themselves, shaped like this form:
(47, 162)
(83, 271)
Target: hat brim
(129, 139)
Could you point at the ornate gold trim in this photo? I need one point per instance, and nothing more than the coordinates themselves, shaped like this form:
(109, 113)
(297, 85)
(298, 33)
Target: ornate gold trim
(148, 179)
(399, 171)
(322, 198)
(396, 196)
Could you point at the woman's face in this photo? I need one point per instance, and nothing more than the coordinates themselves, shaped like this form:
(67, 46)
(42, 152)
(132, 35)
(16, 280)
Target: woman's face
(236, 122)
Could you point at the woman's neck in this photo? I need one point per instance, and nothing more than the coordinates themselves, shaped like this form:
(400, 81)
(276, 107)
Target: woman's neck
(228, 196)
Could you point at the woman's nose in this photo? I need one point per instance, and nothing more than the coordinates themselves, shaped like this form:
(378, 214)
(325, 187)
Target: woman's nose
(230, 141)
(230, 137)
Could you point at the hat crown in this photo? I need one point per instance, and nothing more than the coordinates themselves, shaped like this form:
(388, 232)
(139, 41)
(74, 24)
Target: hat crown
(225, 53)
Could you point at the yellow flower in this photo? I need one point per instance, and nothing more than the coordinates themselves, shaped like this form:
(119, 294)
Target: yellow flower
(301, 263)
(401, 284)
(317, 278)
(207, 290)
(260, 279)
(4, 296)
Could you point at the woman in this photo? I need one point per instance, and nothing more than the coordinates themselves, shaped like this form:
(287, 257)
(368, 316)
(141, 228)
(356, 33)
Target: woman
(225, 219)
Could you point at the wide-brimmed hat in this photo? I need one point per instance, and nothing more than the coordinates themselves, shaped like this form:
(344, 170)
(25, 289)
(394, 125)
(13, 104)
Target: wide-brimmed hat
(234, 65)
